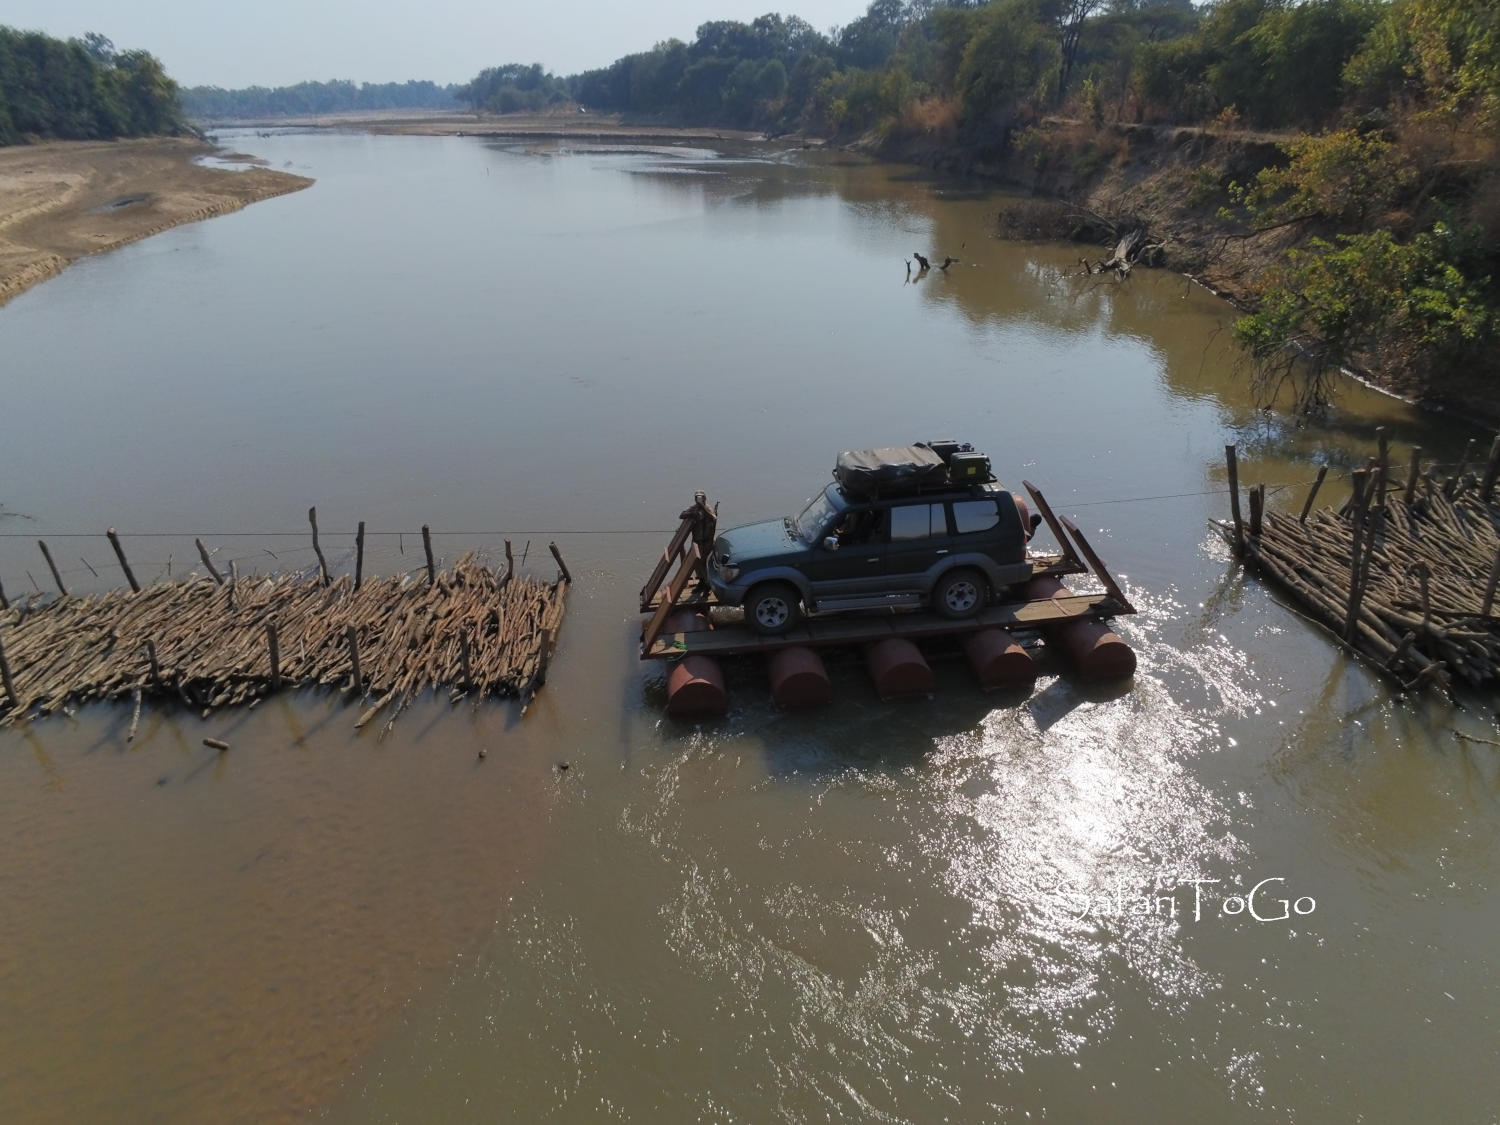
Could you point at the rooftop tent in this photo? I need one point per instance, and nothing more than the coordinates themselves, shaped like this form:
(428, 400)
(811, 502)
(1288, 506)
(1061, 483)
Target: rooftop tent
(903, 468)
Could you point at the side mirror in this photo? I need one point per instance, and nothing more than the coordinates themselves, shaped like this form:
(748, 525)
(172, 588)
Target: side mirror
(831, 543)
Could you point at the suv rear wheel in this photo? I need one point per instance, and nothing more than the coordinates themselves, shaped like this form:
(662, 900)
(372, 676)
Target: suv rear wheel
(773, 608)
(960, 593)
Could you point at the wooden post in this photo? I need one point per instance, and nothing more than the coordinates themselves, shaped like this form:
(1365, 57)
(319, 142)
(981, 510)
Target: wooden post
(1357, 499)
(151, 659)
(1491, 471)
(1412, 472)
(4, 602)
(562, 566)
(114, 541)
(359, 555)
(1452, 482)
(1312, 493)
(427, 546)
(1361, 502)
(208, 562)
(5, 678)
(1234, 498)
(1384, 463)
(56, 577)
(463, 658)
(1257, 509)
(353, 638)
(1489, 589)
(510, 562)
(312, 518)
(234, 582)
(275, 648)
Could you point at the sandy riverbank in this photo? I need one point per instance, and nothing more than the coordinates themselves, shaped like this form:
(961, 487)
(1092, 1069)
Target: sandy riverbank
(62, 200)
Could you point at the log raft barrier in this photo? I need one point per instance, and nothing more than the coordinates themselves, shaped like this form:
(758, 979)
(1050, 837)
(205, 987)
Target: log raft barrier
(207, 643)
(1404, 573)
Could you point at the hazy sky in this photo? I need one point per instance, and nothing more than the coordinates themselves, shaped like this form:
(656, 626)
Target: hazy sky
(279, 42)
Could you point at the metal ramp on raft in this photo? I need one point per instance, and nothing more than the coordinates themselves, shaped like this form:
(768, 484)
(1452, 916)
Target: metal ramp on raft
(687, 588)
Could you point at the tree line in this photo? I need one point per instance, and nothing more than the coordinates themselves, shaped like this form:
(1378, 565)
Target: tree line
(305, 99)
(81, 89)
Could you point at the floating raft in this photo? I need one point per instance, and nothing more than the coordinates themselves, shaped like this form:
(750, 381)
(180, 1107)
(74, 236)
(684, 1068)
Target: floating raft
(682, 628)
(208, 645)
(1404, 573)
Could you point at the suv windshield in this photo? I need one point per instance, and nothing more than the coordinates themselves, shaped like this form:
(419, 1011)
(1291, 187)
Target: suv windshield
(814, 518)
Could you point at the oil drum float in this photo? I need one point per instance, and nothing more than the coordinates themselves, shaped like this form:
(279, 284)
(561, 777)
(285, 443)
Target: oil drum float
(897, 667)
(998, 660)
(798, 678)
(1095, 651)
(695, 685)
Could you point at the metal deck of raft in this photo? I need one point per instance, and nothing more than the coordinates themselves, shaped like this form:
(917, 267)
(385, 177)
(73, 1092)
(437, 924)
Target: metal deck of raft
(687, 590)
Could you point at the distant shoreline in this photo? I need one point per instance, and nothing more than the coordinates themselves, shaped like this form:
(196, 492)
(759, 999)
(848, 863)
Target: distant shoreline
(63, 200)
(598, 128)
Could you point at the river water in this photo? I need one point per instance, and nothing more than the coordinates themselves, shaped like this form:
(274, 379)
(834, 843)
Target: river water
(971, 908)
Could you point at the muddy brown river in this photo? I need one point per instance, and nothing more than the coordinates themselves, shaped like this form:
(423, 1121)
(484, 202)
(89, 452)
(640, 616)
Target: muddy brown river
(1248, 886)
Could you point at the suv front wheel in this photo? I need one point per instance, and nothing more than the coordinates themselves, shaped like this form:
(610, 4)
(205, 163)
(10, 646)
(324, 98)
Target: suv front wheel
(960, 593)
(773, 608)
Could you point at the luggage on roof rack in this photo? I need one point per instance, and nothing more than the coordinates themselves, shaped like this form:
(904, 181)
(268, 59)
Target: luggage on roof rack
(896, 469)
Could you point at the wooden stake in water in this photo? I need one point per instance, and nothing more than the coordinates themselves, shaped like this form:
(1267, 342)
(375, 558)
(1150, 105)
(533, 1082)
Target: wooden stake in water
(1413, 471)
(208, 562)
(56, 577)
(114, 541)
(427, 546)
(359, 555)
(561, 566)
(312, 518)
(1312, 494)
(1234, 498)
(1257, 509)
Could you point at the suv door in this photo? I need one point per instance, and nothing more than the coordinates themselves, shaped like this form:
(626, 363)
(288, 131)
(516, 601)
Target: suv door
(858, 566)
(918, 540)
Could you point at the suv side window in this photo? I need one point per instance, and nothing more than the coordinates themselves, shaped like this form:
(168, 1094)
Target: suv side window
(970, 516)
(917, 521)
